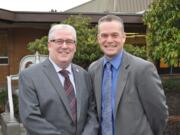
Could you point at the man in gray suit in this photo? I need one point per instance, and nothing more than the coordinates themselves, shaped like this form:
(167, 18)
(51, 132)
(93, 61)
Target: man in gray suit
(50, 103)
(138, 103)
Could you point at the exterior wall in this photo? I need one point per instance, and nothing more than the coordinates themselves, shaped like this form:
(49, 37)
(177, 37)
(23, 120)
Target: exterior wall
(18, 38)
(3, 73)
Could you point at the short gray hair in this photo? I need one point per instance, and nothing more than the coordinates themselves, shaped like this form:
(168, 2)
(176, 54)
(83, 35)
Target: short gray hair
(57, 27)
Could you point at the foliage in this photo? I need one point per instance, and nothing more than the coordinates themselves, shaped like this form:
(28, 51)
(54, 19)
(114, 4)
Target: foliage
(39, 45)
(139, 51)
(4, 101)
(3, 97)
(163, 37)
(16, 106)
(87, 47)
(170, 85)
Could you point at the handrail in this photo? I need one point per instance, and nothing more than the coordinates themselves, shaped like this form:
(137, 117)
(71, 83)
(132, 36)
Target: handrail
(11, 106)
(34, 59)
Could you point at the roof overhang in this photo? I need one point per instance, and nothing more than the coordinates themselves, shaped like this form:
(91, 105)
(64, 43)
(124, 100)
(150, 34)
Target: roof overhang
(12, 19)
(51, 17)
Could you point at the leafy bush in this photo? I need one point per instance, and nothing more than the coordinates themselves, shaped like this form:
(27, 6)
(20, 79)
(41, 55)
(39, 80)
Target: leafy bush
(4, 102)
(3, 97)
(87, 47)
(139, 51)
(39, 45)
(170, 85)
(163, 36)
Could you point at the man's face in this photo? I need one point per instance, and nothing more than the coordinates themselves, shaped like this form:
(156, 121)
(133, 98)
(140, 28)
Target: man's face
(111, 38)
(62, 48)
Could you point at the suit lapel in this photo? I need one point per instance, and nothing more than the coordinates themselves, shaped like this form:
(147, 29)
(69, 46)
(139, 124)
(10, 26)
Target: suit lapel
(98, 82)
(54, 80)
(122, 79)
(77, 81)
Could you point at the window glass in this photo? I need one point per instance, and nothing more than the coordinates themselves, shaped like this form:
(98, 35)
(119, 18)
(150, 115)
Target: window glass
(3, 47)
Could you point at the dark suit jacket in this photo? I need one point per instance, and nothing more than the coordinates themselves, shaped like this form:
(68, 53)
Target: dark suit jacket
(44, 107)
(140, 103)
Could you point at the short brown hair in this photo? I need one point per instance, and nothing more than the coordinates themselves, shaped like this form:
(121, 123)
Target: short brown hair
(109, 18)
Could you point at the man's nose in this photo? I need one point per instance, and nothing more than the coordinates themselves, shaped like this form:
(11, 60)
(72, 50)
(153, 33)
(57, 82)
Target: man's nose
(64, 44)
(109, 38)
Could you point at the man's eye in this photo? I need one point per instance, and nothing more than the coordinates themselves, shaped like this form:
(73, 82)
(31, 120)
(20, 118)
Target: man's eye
(69, 41)
(60, 41)
(115, 35)
(104, 35)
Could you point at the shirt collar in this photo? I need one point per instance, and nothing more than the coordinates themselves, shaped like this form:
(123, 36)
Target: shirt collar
(115, 61)
(57, 68)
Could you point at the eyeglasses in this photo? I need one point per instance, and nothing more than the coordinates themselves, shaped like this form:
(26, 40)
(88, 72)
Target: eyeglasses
(62, 41)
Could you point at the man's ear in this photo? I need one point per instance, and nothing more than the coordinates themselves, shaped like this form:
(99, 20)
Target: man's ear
(98, 38)
(49, 46)
(124, 37)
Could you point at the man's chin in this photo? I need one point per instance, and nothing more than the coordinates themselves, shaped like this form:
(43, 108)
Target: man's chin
(110, 55)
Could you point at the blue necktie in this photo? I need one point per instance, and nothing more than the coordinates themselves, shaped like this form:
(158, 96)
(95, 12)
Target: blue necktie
(106, 121)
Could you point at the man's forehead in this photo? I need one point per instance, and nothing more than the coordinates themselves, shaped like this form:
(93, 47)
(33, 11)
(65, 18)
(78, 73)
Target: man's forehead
(110, 33)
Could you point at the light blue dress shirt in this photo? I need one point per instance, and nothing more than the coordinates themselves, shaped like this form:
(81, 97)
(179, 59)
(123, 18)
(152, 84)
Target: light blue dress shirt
(116, 62)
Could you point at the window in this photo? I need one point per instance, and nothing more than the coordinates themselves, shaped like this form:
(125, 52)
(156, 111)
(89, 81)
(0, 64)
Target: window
(3, 47)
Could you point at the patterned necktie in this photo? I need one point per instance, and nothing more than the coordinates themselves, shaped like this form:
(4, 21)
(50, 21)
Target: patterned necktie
(68, 87)
(106, 123)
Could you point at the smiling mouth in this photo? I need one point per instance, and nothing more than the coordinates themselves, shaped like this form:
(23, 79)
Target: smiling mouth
(110, 46)
(63, 52)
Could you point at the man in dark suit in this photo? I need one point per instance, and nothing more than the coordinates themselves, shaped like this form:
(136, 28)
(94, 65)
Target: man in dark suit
(137, 100)
(52, 103)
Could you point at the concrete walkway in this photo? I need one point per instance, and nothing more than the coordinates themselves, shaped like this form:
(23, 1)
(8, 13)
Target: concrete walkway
(23, 131)
(0, 131)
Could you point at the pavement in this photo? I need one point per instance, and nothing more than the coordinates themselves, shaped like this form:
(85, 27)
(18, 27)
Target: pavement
(0, 131)
(23, 131)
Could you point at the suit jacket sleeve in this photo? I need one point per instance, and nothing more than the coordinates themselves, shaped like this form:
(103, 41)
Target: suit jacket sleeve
(92, 125)
(152, 98)
(29, 109)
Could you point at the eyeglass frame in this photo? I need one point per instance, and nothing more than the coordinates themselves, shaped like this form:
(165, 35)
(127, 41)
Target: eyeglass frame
(62, 41)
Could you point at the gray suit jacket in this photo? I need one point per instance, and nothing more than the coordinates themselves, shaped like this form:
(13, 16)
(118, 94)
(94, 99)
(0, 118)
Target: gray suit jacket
(44, 107)
(140, 104)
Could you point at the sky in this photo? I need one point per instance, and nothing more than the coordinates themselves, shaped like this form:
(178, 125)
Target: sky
(40, 5)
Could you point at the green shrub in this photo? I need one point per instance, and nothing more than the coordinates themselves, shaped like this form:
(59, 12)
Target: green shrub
(39, 45)
(171, 85)
(139, 51)
(162, 20)
(87, 47)
(3, 97)
(4, 101)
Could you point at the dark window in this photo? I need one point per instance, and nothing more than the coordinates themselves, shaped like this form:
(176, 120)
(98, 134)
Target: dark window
(3, 60)
(3, 47)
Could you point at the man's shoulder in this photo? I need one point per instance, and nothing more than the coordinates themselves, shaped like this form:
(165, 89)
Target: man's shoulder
(78, 68)
(94, 65)
(136, 60)
(138, 64)
(32, 69)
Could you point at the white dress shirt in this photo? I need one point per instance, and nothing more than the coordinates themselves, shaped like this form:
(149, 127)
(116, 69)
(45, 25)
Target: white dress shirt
(71, 76)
